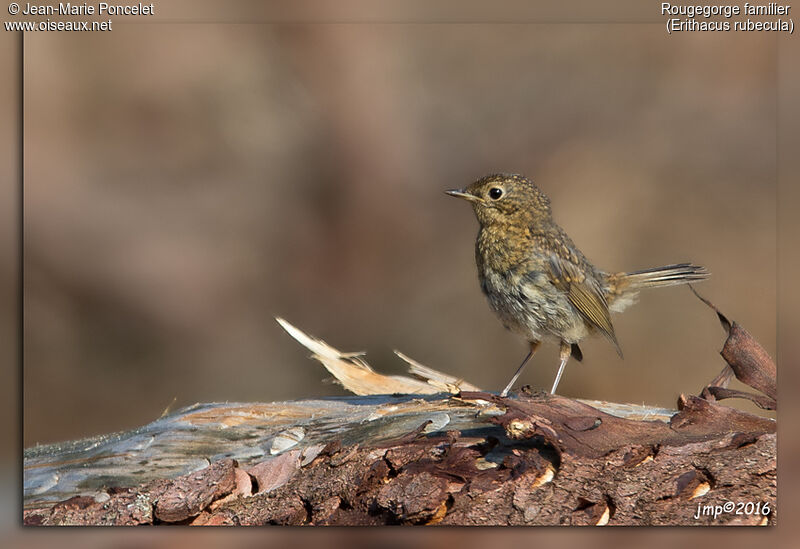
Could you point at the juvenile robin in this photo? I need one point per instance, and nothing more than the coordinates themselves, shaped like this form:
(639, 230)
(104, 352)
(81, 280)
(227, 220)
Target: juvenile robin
(538, 282)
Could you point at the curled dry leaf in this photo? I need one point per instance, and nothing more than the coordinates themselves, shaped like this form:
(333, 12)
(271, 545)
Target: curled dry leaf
(749, 362)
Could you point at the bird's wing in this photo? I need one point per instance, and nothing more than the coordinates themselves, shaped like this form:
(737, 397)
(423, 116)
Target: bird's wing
(584, 293)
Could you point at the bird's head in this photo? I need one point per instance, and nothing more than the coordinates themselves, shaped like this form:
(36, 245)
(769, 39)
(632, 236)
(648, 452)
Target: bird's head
(503, 199)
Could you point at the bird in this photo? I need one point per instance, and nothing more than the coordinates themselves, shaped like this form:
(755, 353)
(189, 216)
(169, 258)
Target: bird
(538, 282)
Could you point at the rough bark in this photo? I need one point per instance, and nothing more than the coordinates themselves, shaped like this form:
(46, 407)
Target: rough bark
(465, 458)
(532, 460)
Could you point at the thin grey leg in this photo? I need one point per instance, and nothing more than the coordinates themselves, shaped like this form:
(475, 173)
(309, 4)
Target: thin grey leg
(534, 346)
(566, 351)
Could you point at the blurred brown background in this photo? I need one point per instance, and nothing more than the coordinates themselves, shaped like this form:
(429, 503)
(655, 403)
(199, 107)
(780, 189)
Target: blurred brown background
(184, 184)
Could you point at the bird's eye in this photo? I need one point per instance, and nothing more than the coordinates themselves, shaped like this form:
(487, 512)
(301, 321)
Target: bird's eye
(495, 193)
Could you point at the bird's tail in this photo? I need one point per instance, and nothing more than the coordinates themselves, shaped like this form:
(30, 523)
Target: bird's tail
(669, 275)
(622, 287)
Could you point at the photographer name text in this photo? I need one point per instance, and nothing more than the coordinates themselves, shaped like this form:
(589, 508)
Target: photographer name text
(65, 16)
(102, 8)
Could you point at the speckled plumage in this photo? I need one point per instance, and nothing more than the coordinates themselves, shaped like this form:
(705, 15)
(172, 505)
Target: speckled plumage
(537, 281)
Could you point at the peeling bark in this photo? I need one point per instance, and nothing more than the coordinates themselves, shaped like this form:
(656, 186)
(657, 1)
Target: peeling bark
(457, 458)
(546, 460)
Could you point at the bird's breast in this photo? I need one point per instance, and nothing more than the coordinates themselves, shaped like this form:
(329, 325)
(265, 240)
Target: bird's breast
(515, 281)
(504, 249)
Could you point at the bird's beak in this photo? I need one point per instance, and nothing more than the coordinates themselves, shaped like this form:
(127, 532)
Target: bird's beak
(459, 193)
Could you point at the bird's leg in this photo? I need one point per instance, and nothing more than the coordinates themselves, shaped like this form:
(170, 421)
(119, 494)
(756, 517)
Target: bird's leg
(566, 351)
(534, 346)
